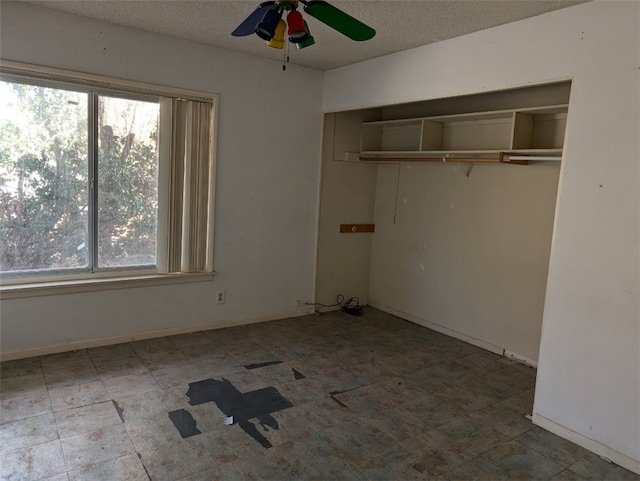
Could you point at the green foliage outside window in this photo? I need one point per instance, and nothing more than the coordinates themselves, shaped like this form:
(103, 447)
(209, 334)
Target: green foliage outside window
(45, 184)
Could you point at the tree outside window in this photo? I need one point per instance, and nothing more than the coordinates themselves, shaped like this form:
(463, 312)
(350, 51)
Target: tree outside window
(50, 163)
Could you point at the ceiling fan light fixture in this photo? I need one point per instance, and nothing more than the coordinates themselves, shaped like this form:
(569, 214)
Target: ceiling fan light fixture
(297, 32)
(308, 41)
(278, 39)
(266, 29)
(288, 4)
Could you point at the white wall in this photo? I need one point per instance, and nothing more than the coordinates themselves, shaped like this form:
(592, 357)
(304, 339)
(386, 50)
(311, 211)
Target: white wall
(267, 180)
(589, 366)
(467, 255)
(347, 197)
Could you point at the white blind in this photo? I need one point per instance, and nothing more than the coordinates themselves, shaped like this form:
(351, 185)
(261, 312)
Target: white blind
(188, 164)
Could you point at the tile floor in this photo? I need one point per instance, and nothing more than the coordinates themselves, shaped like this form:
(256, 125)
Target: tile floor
(371, 397)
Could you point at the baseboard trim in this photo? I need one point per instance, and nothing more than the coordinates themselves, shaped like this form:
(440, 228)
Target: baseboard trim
(521, 359)
(107, 341)
(588, 443)
(456, 334)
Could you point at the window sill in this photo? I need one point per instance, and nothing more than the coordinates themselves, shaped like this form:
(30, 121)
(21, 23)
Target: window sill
(55, 288)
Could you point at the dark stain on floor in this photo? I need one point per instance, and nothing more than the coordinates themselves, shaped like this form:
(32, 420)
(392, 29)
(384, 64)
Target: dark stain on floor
(333, 395)
(262, 364)
(184, 423)
(119, 410)
(258, 404)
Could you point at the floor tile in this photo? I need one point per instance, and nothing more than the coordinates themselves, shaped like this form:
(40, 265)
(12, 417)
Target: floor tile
(554, 447)
(125, 366)
(422, 378)
(126, 385)
(127, 468)
(59, 477)
(71, 376)
(20, 367)
(592, 467)
(429, 412)
(397, 424)
(170, 461)
(567, 475)
(63, 360)
(521, 403)
(373, 397)
(291, 424)
(75, 421)
(173, 359)
(464, 399)
(144, 433)
(217, 367)
(212, 474)
(359, 439)
(194, 339)
(372, 371)
(261, 468)
(471, 435)
(94, 447)
(155, 345)
(229, 444)
(78, 395)
(179, 377)
(202, 352)
(43, 460)
(394, 465)
(434, 453)
(321, 459)
(208, 416)
(278, 373)
(520, 462)
(493, 386)
(146, 404)
(477, 469)
(22, 407)
(22, 385)
(453, 372)
(503, 419)
(27, 432)
(485, 360)
(111, 353)
(245, 380)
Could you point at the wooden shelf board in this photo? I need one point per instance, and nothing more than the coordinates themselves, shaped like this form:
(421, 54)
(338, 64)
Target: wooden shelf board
(488, 115)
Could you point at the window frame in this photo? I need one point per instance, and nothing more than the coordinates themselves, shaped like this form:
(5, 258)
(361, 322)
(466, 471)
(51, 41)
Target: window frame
(12, 284)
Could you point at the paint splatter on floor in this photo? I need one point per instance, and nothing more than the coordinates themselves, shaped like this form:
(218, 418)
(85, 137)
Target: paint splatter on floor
(184, 423)
(258, 404)
(262, 364)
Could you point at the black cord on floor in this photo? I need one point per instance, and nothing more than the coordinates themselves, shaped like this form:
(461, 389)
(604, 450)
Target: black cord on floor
(350, 306)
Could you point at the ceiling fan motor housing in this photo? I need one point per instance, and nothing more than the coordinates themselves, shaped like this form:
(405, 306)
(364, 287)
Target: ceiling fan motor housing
(288, 4)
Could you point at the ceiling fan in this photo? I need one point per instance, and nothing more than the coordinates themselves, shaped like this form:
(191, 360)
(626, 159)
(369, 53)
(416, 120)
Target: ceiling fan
(267, 22)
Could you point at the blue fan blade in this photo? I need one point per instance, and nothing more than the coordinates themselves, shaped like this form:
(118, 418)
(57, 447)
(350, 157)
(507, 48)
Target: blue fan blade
(248, 27)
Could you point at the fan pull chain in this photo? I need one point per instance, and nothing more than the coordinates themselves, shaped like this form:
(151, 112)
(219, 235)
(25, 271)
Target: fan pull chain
(285, 60)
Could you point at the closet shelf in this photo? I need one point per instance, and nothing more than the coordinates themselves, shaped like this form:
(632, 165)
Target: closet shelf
(501, 136)
(484, 156)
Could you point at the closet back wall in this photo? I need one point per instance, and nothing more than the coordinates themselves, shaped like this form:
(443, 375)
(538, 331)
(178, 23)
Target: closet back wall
(466, 246)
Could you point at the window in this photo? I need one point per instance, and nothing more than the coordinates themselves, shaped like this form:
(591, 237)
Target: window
(99, 181)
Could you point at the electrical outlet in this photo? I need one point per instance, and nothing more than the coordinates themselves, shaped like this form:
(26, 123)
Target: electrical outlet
(220, 296)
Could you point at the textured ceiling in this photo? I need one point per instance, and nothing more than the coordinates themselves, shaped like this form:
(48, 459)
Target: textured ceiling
(400, 24)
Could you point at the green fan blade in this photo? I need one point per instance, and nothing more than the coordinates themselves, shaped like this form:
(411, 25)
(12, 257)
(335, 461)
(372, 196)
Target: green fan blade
(338, 20)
